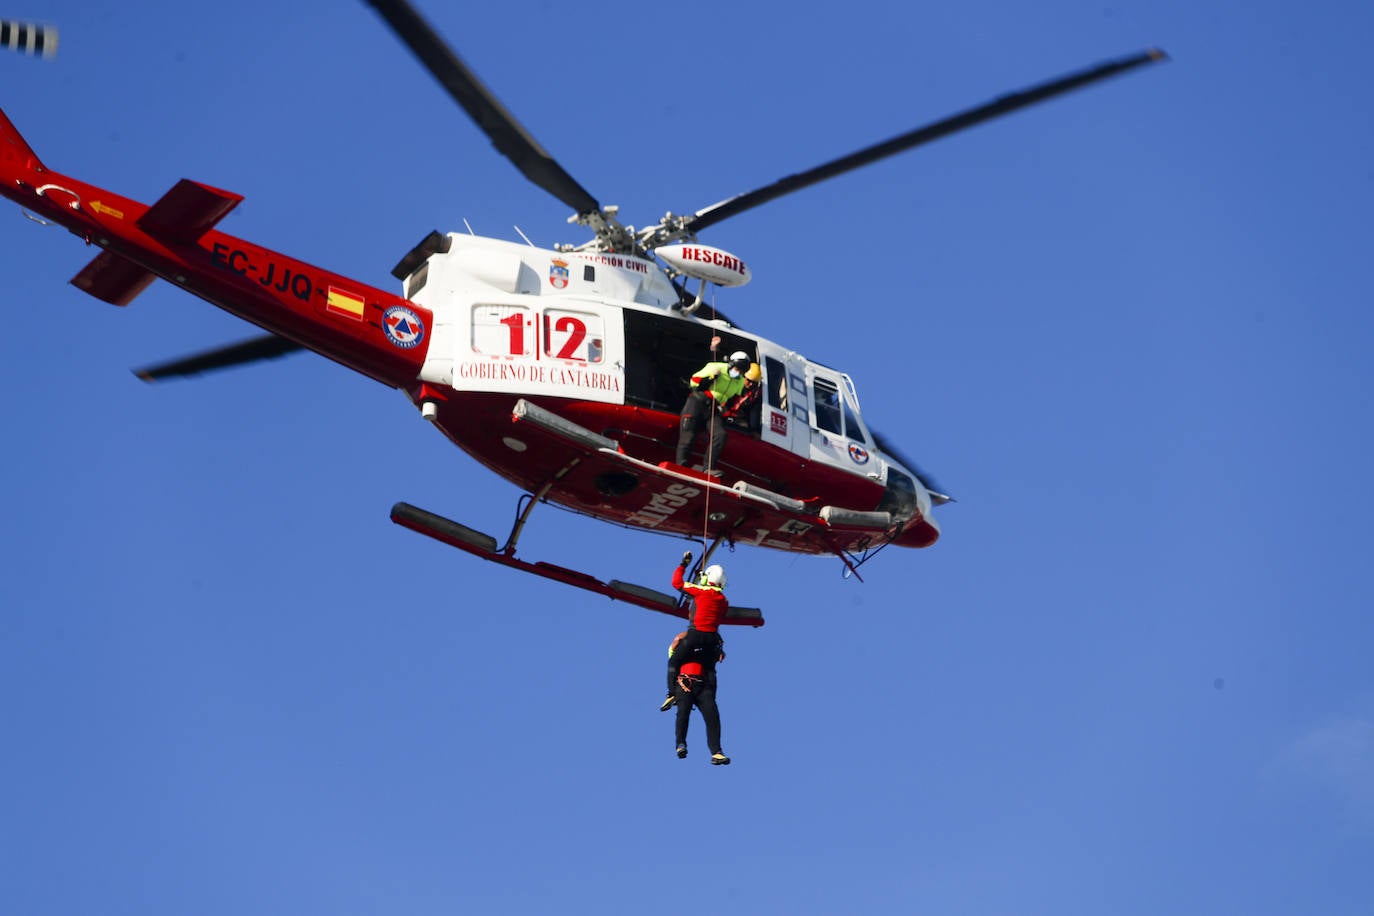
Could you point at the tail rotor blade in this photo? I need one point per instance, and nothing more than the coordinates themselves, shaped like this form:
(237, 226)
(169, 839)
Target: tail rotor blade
(937, 494)
(268, 346)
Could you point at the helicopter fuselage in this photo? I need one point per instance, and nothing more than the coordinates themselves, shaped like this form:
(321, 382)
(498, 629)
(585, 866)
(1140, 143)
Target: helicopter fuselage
(601, 340)
(489, 329)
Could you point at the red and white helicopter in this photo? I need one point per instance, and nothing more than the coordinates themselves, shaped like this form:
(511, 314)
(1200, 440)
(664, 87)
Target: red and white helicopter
(562, 370)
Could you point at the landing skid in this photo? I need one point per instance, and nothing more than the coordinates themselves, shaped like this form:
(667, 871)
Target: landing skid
(483, 545)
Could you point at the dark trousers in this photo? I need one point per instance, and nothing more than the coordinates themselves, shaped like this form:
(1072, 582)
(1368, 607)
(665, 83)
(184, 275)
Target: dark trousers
(696, 646)
(696, 414)
(703, 697)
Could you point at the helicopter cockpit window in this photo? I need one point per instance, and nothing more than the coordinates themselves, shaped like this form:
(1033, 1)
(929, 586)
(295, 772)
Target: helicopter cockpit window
(827, 398)
(900, 496)
(854, 429)
(573, 335)
(851, 423)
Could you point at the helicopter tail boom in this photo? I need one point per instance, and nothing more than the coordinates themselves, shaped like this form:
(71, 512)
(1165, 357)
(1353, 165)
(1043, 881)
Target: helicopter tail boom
(377, 333)
(183, 214)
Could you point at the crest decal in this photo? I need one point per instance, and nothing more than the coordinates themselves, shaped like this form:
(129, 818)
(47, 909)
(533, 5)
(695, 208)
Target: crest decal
(558, 273)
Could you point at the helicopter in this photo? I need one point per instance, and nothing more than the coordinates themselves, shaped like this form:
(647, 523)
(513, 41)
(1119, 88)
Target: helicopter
(562, 370)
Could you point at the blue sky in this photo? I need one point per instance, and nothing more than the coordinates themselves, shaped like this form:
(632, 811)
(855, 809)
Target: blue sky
(1130, 330)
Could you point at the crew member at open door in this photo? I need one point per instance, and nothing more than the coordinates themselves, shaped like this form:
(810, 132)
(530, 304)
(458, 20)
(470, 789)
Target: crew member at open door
(713, 386)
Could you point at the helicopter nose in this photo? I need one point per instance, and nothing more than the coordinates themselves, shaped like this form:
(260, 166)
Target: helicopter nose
(919, 532)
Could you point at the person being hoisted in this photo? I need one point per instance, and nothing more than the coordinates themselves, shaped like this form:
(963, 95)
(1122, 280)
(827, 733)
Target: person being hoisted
(713, 386)
(702, 642)
(697, 687)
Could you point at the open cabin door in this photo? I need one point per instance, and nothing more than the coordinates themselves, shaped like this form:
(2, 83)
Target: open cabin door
(663, 350)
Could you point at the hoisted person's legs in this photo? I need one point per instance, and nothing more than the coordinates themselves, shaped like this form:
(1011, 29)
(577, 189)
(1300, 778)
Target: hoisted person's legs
(705, 699)
(684, 715)
(696, 646)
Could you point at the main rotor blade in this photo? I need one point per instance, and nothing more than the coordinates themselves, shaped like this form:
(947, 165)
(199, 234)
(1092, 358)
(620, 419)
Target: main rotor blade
(506, 133)
(268, 346)
(921, 135)
(937, 493)
(28, 37)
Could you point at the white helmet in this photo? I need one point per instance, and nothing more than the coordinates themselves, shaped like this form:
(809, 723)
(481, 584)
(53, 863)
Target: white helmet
(714, 575)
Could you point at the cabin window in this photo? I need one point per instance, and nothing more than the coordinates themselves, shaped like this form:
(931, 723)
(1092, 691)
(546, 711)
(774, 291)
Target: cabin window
(502, 330)
(827, 398)
(797, 383)
(573, 335)
(775, 378)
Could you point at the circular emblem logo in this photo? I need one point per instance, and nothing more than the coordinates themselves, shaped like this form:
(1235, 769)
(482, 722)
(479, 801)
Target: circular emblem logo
(858, 454)
(403, 327)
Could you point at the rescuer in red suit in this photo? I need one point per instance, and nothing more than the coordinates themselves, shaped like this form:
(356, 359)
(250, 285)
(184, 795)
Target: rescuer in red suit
(702, 642)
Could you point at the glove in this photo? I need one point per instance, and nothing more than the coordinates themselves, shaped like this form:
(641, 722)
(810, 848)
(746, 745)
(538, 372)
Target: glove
(686, 559)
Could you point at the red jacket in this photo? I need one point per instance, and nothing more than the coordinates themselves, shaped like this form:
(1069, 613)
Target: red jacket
(709, 602)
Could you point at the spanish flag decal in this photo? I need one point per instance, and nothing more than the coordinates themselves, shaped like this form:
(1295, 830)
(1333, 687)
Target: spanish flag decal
(345, 303)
